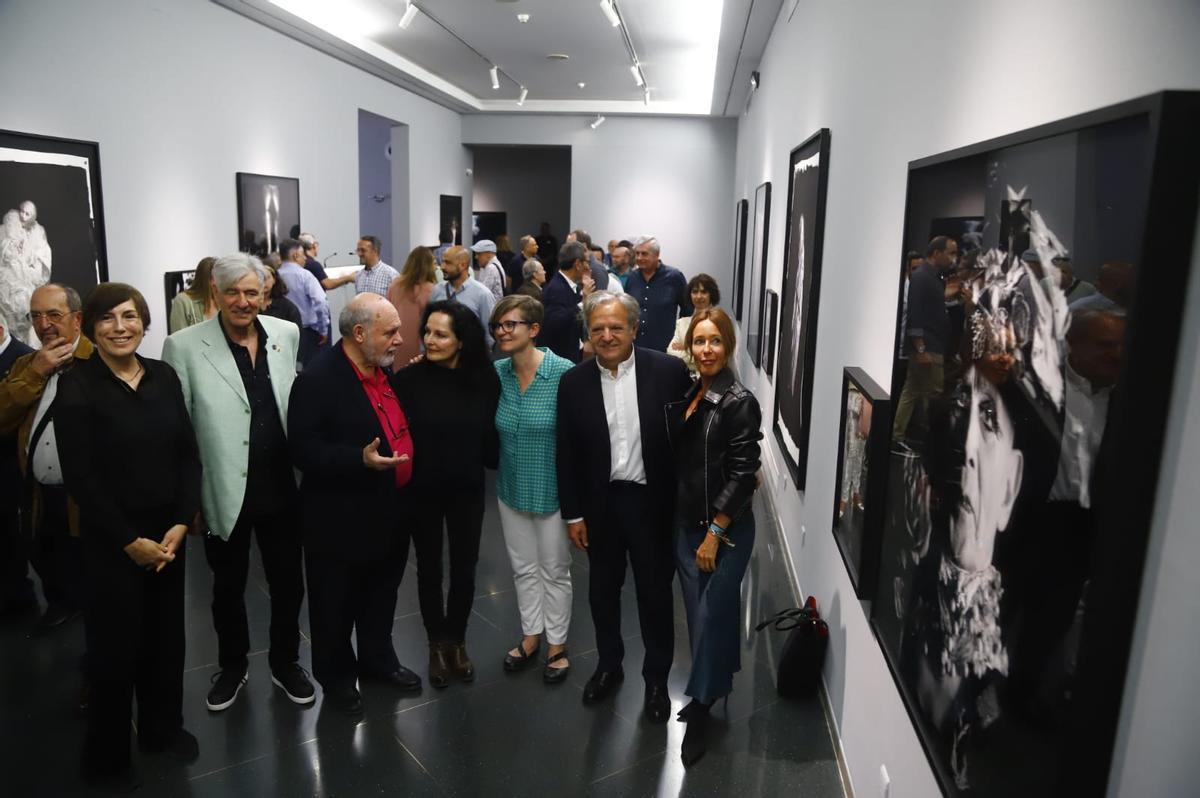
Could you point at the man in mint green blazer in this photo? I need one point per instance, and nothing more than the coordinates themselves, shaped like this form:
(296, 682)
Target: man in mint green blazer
(237, 371)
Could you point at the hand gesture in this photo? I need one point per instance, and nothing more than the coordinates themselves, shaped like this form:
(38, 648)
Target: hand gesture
(148, 554)
(706, 555)
(578, 534)
(171, 542)
(589, 285)
(373, 460)
(52, 355)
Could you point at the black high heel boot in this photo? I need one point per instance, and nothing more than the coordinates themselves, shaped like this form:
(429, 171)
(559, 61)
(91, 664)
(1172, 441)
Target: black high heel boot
(695, 739)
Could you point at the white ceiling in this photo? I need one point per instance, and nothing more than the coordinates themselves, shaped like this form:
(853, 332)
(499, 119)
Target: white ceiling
(696, 55)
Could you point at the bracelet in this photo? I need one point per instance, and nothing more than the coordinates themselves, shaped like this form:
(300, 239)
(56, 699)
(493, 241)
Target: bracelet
(720, 535)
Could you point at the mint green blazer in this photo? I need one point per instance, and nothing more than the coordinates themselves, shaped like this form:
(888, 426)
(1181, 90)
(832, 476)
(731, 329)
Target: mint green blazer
(220, 410)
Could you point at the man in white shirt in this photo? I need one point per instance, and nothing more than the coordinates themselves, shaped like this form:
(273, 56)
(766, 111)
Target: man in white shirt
(375, 276)
(488, 270)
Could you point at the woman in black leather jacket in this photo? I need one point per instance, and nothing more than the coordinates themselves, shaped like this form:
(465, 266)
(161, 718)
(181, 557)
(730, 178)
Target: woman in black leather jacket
(715, 433)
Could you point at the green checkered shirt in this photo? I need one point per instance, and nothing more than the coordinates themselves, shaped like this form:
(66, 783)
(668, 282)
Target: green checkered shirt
(527, 480)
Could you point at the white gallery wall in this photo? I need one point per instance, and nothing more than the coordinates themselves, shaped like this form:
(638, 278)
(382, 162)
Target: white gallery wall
(665, 176)
(906, 81)
(181, 95)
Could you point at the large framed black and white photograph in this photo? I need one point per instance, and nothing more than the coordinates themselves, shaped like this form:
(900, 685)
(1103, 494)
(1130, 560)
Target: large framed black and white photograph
(858, 505)
(53, 221)
(1027, 436)
(808, 179)
(756, 275)
(268, 208)
(450, 216)
(741, 214)
(769, 339)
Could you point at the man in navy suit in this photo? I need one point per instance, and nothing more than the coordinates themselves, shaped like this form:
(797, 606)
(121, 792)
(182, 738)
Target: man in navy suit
(16, 591)
(616, 486)
(562, 295)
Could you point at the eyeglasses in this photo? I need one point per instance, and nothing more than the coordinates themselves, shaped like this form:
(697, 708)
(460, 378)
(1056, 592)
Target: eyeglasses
(508, 326)
(53, 316)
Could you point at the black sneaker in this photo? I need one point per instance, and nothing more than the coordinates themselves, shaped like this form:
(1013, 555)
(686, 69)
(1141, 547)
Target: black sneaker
(226, 686)
(294, 681)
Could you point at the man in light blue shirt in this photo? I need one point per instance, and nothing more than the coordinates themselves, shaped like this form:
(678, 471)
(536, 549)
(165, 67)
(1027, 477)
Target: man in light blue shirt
(460, 287)
(306, 293)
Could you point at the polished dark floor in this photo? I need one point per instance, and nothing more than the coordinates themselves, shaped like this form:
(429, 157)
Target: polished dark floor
(504, 735)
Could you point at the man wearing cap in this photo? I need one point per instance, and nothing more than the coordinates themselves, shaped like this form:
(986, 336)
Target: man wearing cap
(488, 269)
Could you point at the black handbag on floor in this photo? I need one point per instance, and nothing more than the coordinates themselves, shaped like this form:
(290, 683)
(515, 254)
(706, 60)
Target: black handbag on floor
(803, 653)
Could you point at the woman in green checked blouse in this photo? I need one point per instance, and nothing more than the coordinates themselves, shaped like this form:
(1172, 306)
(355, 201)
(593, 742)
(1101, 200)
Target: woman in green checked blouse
(527, 486)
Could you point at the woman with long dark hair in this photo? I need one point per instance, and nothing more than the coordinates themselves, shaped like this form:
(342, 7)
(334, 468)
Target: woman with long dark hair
(450, 398)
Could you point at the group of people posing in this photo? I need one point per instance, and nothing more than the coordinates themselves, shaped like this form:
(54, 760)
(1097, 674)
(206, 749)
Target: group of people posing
(626, 454)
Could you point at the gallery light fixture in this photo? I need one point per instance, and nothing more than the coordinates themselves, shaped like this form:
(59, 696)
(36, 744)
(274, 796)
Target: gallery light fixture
(636, 69)
(607, 7)
(495, 73)
(597, 122)
(522, 18)
(646, 96)
(581, 84)
(523, 95)
(410, 14)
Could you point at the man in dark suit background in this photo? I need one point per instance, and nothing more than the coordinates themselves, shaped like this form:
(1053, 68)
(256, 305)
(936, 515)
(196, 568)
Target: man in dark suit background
(16, 590)
(616, 484)
(562, 295)
(350, 440)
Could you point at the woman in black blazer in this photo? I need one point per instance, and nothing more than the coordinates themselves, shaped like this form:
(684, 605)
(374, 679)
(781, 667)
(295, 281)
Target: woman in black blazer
(129, 460)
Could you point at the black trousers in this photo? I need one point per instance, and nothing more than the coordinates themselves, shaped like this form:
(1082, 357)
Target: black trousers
(16, 589)
(346, 596)
(308, 345)
(628, 530)
(279, 543)
(135, 640)
(56, 555)
(461, 515)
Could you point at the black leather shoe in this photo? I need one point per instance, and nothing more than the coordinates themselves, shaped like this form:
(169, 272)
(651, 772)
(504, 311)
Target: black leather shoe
(512, 663)
(345, 699)
(182, 747)
(402, 677)
(658, 703)
(601, 684)
(552, 675)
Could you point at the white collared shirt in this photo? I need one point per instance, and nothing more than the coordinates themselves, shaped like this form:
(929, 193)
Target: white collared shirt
(624, 423)
(570, 282)
(1083, 429)
(7, 340)
(44, 462)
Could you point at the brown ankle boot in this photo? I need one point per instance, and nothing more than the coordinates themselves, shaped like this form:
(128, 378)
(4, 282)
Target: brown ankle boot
(460, 662)
(439, 666)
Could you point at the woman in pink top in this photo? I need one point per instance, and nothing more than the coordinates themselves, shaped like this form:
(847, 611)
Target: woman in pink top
(410, 294)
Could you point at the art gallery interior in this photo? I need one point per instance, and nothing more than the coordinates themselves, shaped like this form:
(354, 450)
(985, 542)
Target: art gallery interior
(377, 121)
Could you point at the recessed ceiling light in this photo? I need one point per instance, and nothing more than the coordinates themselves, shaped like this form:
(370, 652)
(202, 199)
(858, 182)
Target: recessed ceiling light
(522, 18)
(558, 56)
(581, 84)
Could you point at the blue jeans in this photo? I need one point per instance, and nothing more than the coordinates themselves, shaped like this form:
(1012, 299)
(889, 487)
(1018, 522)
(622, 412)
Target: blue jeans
(713, 604)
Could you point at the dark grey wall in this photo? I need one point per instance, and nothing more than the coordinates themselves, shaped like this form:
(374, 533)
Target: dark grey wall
(531, 184)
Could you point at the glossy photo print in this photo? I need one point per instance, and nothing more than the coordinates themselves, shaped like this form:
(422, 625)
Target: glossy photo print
(756, 269)
(1034, 365)
(268, 211)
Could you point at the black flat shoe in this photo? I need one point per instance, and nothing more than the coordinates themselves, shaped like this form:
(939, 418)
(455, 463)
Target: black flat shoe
(695, 739)
(556, 675)
(601, 684)
(181, 746)
(521, 661)
(657, 705)
(402, 678)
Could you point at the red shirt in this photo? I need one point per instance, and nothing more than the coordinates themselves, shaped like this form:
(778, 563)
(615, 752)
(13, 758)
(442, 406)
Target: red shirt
(392, 422)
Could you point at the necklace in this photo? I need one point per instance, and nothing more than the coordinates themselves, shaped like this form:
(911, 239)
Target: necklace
(129, 380)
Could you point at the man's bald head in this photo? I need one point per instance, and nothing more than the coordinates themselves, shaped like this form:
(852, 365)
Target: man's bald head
(370, 328)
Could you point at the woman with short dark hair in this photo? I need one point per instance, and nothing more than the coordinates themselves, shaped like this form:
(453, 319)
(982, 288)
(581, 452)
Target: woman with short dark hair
(449, 398)
(120, 409)
(704, 294)
(274, 297)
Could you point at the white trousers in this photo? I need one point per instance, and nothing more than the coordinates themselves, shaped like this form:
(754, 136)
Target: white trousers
(540, 553)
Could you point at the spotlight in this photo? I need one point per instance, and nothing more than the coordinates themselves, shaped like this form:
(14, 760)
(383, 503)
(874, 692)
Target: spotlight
(607, 7)
(522, 18)
(646, 95)
(637, 74)
(524, 94)
(597, 122)
(495, 73)
(755, 80)
(410, 14)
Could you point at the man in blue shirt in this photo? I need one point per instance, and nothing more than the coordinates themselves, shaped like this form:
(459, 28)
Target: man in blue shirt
(461, 287)
(662, 293)
(306, 293)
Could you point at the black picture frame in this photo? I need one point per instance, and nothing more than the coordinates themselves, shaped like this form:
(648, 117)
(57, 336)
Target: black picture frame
(174, 284)
(450, 216)
(61, 177)
(268, 211)
(755, 292)
(772, 319)
(1133, 198)
(863, 438)
(741, 213)
(808, 186)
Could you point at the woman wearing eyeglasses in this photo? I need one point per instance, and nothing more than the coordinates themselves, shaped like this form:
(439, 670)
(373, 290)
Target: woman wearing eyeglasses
(527, 485)
(450, 398)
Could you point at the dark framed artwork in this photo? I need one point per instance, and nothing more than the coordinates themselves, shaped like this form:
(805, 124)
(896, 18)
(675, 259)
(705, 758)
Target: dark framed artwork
(741, 213)
(1016, 525)
(488, 224)
(808, 171)
(174, 284)
(53, 221)
(858, 505)
(268, 208)
(772, 329)
(450, 214)
(752, 332)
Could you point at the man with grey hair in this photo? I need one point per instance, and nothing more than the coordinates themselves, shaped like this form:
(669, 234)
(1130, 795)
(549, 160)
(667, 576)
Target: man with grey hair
(349, 437)
(662, 293)
(616, 487)
(311, 247)
(534, 275)
(600, 276)
(236, 370)
(563, 296)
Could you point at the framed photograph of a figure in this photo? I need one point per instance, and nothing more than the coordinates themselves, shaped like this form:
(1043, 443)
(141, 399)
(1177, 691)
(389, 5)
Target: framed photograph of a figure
(741, 214)
(1027, 437)
(450, 215)
(53, 221)
(862, 452)
(752, 331)
(808, 180)
(268, 208)
(772, 328)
